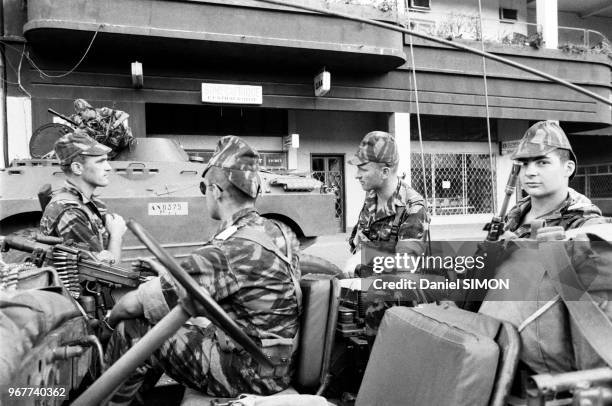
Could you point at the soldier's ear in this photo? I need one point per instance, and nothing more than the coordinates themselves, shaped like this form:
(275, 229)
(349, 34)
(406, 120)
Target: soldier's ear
(570, 167)
(76, 168)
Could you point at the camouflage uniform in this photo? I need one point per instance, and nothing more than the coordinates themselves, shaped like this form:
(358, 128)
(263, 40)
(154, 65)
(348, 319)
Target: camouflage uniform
(256, 286)
(105, 125)
(403, 216)
(576, 210)
(540, 139)
(70, 214)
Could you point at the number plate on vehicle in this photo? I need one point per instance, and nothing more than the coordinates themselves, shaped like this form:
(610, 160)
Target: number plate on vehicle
(168, 209)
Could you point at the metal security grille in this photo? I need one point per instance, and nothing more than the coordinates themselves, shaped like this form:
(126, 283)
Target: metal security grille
(329, 170)
(594, 180)
(455, 183)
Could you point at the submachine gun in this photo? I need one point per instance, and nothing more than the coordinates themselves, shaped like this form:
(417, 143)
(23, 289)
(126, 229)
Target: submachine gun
(80, 270)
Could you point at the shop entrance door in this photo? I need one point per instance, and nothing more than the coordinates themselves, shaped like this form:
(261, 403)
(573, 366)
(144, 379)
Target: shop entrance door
(329, 169)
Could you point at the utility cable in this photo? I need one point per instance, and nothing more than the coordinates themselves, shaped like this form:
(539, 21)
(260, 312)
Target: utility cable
(486, 90)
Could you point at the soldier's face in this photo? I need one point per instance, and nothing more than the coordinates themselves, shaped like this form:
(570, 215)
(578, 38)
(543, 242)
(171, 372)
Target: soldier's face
(544, 176)
(371, 175)
(95, 170)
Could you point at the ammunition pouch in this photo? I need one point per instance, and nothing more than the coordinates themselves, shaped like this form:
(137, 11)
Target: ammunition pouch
(278, 350)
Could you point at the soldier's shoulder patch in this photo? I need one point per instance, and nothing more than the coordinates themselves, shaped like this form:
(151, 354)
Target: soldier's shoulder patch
(227, 233)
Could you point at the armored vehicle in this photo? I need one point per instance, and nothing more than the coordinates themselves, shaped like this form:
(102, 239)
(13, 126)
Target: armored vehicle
(157, 184)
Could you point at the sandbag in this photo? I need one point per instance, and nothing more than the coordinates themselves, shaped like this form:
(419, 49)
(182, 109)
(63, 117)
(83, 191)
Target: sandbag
(431, 355)
(552, 342)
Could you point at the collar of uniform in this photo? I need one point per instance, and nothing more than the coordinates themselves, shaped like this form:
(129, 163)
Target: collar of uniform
(75, 189)
(397, 199)
(236, 217)
(524, 205)
(94, 199)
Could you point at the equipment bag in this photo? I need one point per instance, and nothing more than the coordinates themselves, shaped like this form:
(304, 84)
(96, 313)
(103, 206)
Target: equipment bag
(559, 300)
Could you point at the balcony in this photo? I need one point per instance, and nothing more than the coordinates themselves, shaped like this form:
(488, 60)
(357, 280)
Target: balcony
(218, 32)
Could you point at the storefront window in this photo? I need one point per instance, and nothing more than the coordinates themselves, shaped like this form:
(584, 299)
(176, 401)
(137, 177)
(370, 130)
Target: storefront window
(455, 183)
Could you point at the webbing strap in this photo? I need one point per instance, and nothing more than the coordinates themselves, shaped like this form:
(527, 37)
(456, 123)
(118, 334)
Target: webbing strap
(263, 239)
(396, 223)
(591, 320)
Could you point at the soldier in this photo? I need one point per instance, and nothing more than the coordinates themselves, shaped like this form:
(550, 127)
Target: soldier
(392, 210)
(105, 125)
(548, 164)
(250, 267)
(74, 212)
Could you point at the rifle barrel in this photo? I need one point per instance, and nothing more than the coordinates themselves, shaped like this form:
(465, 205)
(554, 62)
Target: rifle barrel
(63, 117)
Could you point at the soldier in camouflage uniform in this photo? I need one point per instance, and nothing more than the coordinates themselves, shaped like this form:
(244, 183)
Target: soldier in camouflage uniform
(105, 125)
(392, 210)
(250, 267)
(548, 164)
(74, 212)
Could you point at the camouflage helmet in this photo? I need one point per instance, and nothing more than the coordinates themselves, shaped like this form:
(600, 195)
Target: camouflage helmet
(76, 143)
(542, 138)
(376, 146)
(239, 161)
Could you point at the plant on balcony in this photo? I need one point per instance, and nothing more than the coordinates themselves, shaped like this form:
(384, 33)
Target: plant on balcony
(536, 40)
(460, 26)
(602, 48)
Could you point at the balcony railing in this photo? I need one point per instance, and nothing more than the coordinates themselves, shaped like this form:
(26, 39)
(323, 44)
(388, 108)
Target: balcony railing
(456, 25)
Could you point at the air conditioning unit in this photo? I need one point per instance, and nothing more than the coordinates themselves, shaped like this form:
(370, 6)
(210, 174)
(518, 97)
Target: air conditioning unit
(420, 4)
(508, 14)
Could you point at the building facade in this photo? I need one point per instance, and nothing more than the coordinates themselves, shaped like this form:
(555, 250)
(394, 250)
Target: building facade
(248, 68)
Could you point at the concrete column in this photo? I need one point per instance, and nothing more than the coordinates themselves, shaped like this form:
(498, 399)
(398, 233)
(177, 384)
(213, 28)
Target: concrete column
(546, 18)
(19, 123)
(292, 158)
(399, 126)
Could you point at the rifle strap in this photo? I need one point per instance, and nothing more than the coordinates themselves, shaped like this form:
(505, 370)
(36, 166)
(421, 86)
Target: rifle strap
(593, 323)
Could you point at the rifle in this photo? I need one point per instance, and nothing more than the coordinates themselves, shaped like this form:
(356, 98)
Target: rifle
(496, 227)
(75, 265)
(90, 130)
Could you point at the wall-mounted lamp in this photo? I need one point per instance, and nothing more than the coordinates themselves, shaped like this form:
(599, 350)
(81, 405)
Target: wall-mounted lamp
(137, 76)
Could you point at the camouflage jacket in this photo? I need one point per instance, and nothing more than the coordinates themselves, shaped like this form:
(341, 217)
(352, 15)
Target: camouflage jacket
(71, 215)
(252, 284)
(376, 222)
(572, 213)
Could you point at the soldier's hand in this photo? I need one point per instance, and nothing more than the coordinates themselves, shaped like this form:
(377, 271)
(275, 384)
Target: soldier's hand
(115, 224)
(550, 233)
(508, 235)
(351, 265)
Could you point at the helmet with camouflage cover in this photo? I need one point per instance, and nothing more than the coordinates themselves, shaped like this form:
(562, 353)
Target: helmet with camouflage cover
(78, 143)
(240, 162)
(376, 146)
(542, 138)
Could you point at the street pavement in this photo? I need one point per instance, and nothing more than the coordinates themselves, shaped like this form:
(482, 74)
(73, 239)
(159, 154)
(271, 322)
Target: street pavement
(334, 247)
